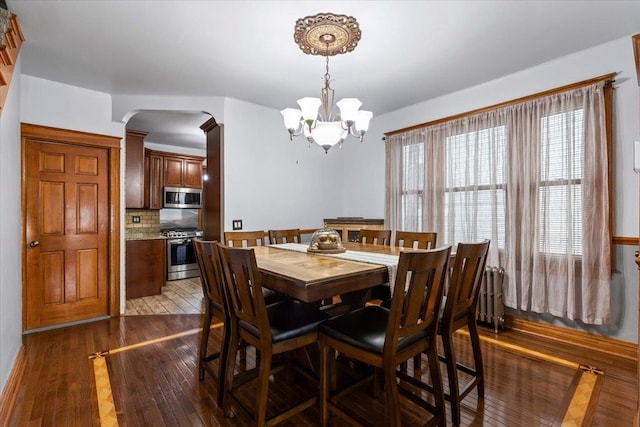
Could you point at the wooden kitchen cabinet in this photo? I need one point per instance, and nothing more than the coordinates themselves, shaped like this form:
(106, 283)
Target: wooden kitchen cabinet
(154, 179)
(145, 267)
(134, 170)
(183, 172)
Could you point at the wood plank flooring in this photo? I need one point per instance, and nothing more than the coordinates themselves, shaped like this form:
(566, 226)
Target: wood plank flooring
(151, 364)
(176, 297)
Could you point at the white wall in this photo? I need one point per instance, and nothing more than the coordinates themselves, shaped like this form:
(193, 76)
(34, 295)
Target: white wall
(365, 190)
(10, 231)
(49, 103)
(271, 182)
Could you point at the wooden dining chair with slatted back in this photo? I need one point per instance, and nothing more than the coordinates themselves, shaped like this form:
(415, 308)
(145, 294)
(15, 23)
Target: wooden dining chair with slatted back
(375, 237)
(214, 308)
(459, 312)
(240, 239)
(385, 339)
(291, 235)
(416, 239)
(383, 238)
(275, 329)
(245, 239)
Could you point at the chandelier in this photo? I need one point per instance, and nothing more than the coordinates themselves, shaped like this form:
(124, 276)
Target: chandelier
(327, 34)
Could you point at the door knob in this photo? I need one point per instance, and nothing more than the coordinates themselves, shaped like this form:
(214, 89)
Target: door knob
(33, 244)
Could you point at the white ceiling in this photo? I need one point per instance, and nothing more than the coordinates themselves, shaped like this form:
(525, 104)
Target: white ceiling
(410, 51)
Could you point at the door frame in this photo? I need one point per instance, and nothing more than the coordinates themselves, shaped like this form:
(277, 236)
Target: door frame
(72, 137)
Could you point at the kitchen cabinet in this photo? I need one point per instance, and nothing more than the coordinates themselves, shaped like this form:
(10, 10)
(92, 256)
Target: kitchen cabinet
(134, 170)
(183, 172)
(154, 179)
(145, 267)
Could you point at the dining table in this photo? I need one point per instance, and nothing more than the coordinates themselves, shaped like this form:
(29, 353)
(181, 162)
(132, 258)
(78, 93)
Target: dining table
(313, 277)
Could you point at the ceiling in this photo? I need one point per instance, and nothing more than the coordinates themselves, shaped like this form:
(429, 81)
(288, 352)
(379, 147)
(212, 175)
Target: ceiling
(410, 51)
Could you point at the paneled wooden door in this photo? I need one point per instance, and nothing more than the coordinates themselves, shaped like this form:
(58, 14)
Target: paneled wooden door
(66, 220)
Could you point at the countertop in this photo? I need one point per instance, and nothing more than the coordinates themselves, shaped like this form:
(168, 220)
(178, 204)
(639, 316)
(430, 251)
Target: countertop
(143, 235)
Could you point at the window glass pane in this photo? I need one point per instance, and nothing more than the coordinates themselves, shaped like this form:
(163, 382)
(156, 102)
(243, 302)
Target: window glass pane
(561, 219)
(560, 193)
(475, 195)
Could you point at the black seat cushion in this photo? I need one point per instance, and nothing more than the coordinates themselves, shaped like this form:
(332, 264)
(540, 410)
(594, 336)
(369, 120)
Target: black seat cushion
(272, 297)
(290, 319)
(365, 328)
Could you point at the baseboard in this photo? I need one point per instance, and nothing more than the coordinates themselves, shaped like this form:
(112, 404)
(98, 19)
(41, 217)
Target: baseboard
(624, 349)
(10, 391)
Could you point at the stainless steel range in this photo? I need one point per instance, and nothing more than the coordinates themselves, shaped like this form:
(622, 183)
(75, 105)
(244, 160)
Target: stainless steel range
(181, 255)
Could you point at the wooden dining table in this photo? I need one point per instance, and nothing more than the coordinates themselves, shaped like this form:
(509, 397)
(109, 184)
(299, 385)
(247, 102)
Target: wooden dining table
(313, 277)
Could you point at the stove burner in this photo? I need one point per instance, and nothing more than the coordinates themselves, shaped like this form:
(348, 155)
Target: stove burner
(181, 233)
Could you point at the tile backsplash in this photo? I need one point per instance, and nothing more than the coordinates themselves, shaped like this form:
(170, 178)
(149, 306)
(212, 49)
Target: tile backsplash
(149, 220)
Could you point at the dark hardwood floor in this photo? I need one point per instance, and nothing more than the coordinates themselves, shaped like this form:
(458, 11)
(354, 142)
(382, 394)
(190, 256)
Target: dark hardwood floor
(152, 371)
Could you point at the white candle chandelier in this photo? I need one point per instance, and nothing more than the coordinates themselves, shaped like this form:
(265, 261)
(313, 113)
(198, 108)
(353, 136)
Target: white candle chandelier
(328, 35)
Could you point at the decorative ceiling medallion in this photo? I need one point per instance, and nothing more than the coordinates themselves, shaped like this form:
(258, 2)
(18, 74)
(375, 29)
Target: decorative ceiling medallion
(327, 34)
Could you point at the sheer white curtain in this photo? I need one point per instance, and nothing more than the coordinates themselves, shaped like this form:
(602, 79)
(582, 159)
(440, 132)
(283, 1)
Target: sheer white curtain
(532, 178)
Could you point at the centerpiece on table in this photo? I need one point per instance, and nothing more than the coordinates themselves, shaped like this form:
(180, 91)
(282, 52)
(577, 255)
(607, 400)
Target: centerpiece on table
(326, 241)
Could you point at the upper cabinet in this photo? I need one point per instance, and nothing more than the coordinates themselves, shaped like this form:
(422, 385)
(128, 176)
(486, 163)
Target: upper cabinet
(154, 178)
(134, 170)
(181, 171)
(148, 171)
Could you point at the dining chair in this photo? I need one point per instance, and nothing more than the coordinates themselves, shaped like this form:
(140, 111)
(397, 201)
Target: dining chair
(385, 339)
(214, 307)
(275, 329)
(239, 239)
(375, 237)
(416, 239)
(460, 311)
(291, 235)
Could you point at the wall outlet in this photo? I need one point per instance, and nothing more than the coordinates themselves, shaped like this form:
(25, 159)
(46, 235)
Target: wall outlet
(236, 224)
(135, 219)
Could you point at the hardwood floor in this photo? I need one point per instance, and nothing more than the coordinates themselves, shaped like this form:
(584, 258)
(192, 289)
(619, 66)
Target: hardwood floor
(149, 364)
(177, 297)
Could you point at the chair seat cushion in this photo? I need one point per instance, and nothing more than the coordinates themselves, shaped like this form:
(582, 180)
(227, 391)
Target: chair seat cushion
(290, 319)
(272, 297)
(365, 328)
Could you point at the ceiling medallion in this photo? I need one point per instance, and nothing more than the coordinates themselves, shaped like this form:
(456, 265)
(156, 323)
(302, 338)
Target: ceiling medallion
(327, 34)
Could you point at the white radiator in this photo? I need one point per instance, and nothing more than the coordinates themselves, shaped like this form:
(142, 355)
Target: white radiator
(490, 307)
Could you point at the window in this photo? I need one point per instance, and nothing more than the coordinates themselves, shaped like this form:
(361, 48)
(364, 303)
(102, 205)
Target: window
(560, 192)
(533, 176)
(412, 185)
(474, 204)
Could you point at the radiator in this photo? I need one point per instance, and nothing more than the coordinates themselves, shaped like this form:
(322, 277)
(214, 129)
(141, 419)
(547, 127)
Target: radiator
(490, 309)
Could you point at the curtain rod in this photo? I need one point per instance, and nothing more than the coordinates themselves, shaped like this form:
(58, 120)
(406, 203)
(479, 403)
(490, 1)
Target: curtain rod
(608, 78)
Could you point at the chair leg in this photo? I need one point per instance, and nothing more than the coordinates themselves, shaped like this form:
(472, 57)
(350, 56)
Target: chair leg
(263, 388)
(477, 356)
(452, 373)
(417, 362)
(438, 389)
(222, 365)
(204, 341)
(393, 402)
(324, 383)
(230, 368)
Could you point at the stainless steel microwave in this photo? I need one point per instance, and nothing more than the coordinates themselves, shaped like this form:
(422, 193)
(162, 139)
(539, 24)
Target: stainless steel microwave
(175, 197)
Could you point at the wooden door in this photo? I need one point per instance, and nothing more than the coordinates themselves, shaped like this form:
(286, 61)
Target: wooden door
(66, 220)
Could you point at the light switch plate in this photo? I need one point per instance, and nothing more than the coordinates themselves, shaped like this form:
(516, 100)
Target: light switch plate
(135, 219)
(236, 224)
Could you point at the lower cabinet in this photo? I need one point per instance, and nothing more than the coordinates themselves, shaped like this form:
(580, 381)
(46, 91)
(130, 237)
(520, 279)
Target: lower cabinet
(144, 267)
